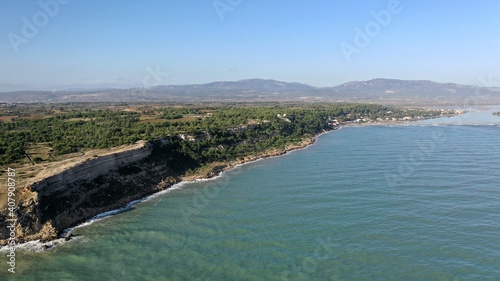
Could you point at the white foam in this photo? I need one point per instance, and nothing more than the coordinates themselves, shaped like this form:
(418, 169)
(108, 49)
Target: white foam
(37, 246)
(176, 186)
(99, 217)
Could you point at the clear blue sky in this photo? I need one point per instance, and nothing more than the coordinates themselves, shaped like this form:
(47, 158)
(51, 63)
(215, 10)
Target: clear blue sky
(116, 41)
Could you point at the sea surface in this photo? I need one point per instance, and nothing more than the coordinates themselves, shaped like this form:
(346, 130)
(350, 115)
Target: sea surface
(415, 202)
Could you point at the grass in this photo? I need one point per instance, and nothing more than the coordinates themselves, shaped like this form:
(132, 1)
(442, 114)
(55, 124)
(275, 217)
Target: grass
(78, 119)
(7, 118)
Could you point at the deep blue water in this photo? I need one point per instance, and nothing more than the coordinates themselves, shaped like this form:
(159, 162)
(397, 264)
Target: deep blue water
(418, 202)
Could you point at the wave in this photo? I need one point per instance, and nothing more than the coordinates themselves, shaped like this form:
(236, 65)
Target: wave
(37, 246)
(128, 207)
(177, 186)
(459, 124)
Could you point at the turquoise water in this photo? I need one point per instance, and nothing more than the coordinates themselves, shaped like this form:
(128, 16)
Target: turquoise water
(372, 203)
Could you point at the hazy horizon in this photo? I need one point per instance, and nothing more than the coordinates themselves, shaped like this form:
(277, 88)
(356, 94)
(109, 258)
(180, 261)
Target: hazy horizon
(5, 87)
(52, 43)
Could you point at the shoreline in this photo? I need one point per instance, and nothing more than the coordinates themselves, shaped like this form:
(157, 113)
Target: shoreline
(221, 167)
(211, 172)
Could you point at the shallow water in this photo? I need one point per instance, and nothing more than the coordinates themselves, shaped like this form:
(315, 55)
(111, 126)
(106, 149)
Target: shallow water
(373, 203)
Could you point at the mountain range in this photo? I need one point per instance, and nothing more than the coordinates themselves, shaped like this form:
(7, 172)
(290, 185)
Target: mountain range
(386, 91)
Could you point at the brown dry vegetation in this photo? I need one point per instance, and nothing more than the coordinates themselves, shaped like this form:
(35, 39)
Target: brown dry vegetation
(7, 118)
(27, 173)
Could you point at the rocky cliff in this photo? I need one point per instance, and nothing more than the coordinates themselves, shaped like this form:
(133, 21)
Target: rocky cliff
(74, 195)
(47, 207)
(90, 169)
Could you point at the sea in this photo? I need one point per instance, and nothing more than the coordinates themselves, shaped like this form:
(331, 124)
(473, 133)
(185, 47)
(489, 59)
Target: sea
(418, 201)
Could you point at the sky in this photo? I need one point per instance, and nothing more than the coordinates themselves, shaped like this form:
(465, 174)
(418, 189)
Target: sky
(52, 44)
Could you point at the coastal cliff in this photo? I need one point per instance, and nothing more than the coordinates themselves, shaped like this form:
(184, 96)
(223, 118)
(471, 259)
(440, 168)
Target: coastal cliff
(62, 199)
(90, 169)
(73, 195)
(63, 179)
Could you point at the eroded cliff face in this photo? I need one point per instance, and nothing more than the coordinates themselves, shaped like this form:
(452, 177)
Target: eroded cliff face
(91, 169)
(90, 188)
(72, 196)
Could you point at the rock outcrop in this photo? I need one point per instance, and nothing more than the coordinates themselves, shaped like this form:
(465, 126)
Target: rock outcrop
(90, 169)
(76, 194)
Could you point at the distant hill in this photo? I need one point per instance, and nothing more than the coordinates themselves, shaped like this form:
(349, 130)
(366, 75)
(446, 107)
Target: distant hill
(376, 90)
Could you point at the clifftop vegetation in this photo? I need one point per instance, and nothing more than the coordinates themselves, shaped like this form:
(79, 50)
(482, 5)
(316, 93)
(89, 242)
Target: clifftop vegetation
(37, 133)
